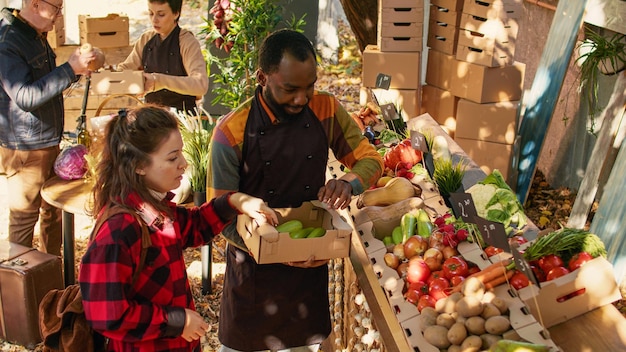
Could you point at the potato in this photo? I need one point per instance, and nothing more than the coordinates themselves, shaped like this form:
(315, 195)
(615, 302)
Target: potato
(472, 343)
(448, 304)
(497, 325)
(475, 325)
(488, 296)
(469, 306)
(473, 287)
(437, 336)
(490, 310)
(457, 333)
(489, 339)
(460, 319)
(501, 304)
(446, 320)
(425, 320)
(429, 311)
(455, 348)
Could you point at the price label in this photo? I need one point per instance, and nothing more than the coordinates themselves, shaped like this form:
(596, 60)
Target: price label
(418, 141)
(389, 112)
(383, 81)
(463, 206)
(522, 265)
(493, 233)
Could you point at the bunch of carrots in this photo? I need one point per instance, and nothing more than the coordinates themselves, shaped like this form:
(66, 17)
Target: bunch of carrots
(493, 275)
(367, 116)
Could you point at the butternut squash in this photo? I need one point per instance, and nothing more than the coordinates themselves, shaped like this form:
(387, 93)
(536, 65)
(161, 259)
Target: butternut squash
(396, 190)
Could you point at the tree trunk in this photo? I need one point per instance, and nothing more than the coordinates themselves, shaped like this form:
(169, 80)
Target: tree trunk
(363, 18)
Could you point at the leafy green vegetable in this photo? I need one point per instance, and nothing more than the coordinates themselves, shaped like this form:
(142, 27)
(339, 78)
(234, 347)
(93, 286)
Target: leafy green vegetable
(566, 242)
(495, 201)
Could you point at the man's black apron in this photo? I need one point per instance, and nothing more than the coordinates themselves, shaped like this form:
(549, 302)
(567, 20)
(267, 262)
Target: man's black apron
(275, 306)
(164, 57)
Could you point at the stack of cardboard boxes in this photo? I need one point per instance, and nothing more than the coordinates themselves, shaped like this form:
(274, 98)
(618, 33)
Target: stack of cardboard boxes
(473, 87)
(56, 37)
(397, 56)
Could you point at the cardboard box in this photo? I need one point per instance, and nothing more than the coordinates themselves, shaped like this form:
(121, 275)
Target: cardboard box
(496, 57)
(400, 29)
(56, 37)
(552, 303)
(401, 3)
(443, 37)
(442, 14)
(403, 67)
(487, 155)
(483, 84)
(439, 69)
(105, 39)
(123, 82)
(504, 30)
(452, 5)
(273, 247)
(401, 44)
(492, 9)
(441, 104)
(407, 101)
(491, 122)
(402, 14)
(111, 23)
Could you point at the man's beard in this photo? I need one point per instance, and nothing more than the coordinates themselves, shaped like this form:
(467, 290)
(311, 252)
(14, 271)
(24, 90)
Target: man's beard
(279, 110)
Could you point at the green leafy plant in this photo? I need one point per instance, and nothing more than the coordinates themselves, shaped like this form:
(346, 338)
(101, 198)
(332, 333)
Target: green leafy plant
(448, 175)
(196, 131)
(238, 27)
(599, 54)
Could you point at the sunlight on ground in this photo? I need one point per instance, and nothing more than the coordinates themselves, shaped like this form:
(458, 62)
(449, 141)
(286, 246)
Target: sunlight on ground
(194, 270)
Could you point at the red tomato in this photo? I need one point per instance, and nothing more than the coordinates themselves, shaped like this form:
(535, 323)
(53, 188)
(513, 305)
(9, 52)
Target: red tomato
(578, 260)
(426, 301)
(438, 288)
(434, 275)
(473, 269)
(519, 280)
(556, 272)
(412, 296)
(518, 240)
(491, 251)
(539, 274)
(456, 280)
(550, 261)
(455, 266)
(417, 270)
(421, 286)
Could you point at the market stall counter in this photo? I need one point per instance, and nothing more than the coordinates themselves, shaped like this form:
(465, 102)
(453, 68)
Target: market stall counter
(369, 310)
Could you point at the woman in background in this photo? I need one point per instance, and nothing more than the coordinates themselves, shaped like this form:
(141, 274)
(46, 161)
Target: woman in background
(175, 72)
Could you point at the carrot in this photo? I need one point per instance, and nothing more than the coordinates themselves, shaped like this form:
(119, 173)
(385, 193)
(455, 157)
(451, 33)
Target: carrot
(358, 121)
(492, 271)
(489, 285)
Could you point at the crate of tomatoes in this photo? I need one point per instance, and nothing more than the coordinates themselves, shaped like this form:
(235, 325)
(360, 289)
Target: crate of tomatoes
(573, 273)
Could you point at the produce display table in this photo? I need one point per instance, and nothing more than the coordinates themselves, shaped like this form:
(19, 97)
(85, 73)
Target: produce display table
(602, 329)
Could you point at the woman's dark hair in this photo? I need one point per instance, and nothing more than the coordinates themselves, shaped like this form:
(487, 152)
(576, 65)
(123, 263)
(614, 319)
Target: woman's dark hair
(130, 138)
(175, 5)
(280, 42)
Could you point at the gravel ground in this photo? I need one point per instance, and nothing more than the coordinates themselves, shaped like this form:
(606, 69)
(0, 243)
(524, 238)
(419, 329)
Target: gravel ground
(545, 206)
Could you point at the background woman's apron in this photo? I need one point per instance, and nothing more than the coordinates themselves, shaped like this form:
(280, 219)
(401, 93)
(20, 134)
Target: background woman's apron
(275, 306)
(164, 57)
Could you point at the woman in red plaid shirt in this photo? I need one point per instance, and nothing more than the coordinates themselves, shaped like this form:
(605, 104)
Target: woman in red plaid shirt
(142, 161)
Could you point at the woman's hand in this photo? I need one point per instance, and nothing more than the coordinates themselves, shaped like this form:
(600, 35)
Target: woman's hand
(254, 208)
(149, 82)
(195, 326)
